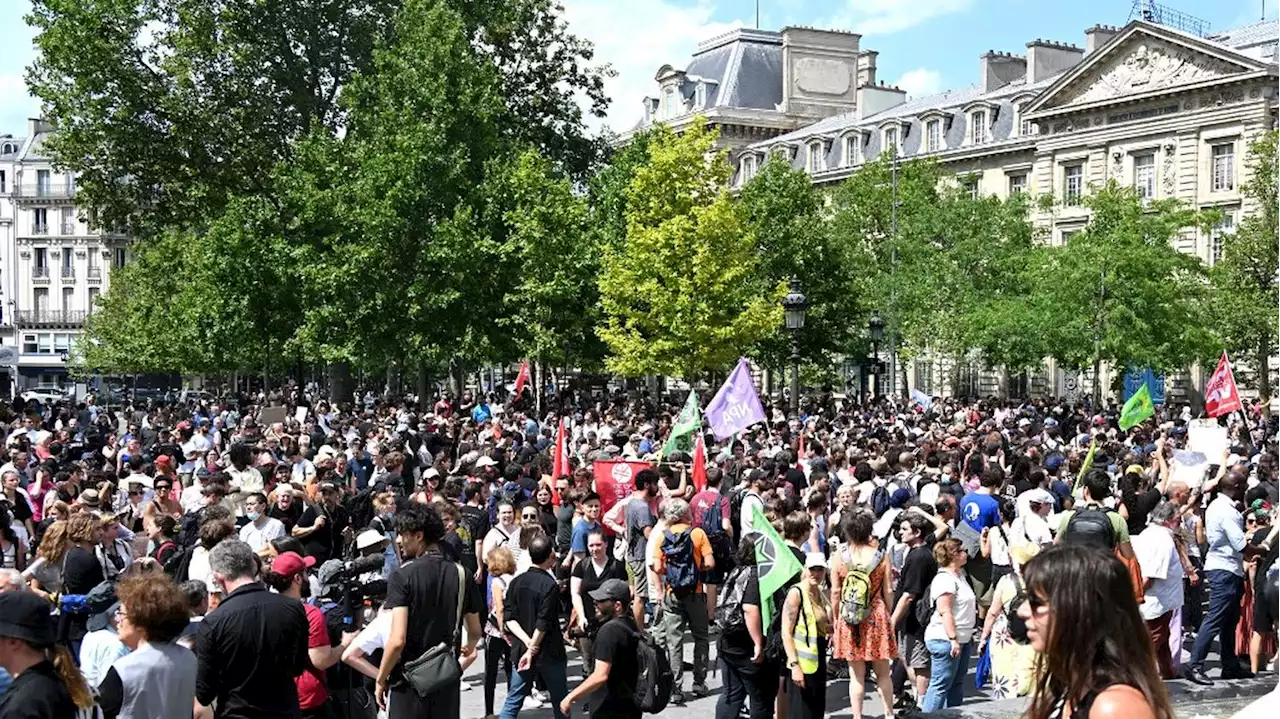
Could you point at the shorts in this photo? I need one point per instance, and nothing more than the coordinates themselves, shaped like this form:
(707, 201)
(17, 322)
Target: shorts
(979, 573)
(912, 651)
(638, 574)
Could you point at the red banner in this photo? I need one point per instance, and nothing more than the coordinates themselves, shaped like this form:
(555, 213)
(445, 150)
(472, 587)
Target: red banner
(522, 378)
(615, 479)
(1220, 393)
(699, 463)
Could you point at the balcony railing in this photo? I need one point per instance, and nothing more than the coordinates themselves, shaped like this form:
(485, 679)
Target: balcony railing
(95, 274)
(51, 317)
(45, 190)
(68, 228)
(40, 229)
(68, 273)
(39, 273)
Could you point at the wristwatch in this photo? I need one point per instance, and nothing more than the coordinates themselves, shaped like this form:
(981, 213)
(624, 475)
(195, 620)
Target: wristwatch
(791, 664)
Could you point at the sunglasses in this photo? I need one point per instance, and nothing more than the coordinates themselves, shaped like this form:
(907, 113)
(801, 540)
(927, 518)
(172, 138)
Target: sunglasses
(1036, 603)
(162, 488)
(528, 516)
(135, 492)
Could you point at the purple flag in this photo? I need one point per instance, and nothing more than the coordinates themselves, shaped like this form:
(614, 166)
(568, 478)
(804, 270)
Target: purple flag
(736, 406)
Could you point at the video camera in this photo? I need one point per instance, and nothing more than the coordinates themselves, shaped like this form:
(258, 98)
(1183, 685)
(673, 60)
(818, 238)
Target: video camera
(341, 581)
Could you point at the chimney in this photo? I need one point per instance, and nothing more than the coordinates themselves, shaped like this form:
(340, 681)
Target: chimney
(820, 71)
(1046, 58)
(1097, 36)
(1000, 69)
(874, 99)
(37, 125)
(867, 68)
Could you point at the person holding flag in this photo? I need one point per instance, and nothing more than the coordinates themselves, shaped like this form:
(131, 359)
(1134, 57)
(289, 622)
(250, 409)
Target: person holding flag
(1137, 409)
(686, 425)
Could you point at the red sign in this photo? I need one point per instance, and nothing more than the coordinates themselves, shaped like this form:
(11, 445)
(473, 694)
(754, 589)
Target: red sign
(699, 463)
(1220, 393)
(615, 480)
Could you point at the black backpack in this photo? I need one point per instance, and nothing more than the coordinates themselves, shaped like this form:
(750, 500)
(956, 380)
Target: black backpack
(177, 566)
(721, 545)
(1017, 626)
(880, 500)
(655, 680)
(729, 614)
(735, 505)
(1091, 527)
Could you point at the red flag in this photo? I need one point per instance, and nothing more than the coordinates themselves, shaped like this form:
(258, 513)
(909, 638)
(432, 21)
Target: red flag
(800, 453)
(615, 479)
(699, 463)
(560, 464)
(1220, 393)
(522, 378)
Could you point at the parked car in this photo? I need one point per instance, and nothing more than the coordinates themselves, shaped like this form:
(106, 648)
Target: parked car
(45, 394)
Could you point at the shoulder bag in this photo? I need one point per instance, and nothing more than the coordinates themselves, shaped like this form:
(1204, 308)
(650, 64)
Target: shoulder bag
(438, 667)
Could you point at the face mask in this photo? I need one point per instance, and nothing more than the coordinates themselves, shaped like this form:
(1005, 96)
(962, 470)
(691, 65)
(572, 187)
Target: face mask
(253, 516)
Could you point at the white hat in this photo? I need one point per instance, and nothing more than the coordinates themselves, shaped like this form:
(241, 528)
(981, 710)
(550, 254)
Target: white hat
(433, 472)
(369, 538)
(813, 560)
(486, 461)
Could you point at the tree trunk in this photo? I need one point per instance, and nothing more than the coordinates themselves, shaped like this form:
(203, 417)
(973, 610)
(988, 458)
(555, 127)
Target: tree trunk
(1263, 368)
(340, 382)
(422, 386)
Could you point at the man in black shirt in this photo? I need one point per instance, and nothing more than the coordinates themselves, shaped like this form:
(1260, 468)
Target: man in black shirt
(746, 672)
(532, 617)
(249, 649)
(617, 657)
(423, 598)
(26, 632)
(322, 526)
(473, 527)
(918, 570)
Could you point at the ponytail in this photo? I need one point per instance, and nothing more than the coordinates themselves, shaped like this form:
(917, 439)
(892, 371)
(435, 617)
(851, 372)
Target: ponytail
(70, 675)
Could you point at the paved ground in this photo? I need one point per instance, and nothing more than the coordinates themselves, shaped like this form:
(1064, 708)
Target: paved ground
(1191, 701)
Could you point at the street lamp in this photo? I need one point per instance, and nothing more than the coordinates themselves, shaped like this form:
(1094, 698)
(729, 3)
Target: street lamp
(876, 327)
(794, 306)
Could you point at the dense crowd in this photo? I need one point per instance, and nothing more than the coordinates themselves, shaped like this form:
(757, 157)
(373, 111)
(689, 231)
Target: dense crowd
(278, 555)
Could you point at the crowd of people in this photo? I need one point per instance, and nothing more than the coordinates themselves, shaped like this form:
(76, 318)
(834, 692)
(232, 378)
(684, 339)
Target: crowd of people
(278, 555)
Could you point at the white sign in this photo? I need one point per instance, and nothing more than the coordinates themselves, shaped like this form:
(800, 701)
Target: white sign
(8, 355)
(300, 414)
(1188, 467)
(1207, 437)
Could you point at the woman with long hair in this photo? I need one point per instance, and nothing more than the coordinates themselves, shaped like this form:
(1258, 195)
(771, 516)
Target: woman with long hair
(1012, 656)
(950, 631)
(47, 683)
(806, 624)
(871, 640)
(44, 574)
(1091, 663)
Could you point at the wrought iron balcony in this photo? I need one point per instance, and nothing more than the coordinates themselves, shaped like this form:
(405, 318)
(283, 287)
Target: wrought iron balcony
(42, 229)
(68, 273)
(95, 274)
(51, 318)
(44, 191)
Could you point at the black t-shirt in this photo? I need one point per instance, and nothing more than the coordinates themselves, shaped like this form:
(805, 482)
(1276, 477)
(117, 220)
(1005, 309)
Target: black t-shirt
(451, 549)
(796, 479)
(288, 517)
(737, 641)
(586, 571)
(81, 572)
(37, 693)
(21, 509)
(473, 528)
(1139, 508)
(1265, 560)
(1015, 489)
(533, 600)
(618, 644)
(428, 586)
(324, 543)
(547, 518)
(918, 571)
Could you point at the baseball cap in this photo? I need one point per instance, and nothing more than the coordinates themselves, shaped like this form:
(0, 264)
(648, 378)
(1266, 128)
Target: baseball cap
(290, 564)
(486, 461)
(25, 616)
(328, 487)
(369, 538)
(1038, 496)
(1053, 461)
(814, 560)
(612, 590)
(899, 498)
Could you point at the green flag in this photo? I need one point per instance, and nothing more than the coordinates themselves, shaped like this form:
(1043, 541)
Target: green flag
(775, 564)
(688, 422)
(1138, 408)
(1085, 465)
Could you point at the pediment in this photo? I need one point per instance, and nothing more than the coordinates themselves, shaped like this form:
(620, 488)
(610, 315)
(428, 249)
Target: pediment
(1143, 59)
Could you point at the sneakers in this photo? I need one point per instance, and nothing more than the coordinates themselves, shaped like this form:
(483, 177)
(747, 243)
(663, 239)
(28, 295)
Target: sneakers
(700, 690)
(1197, 676)
(677, 696)
(533, 702)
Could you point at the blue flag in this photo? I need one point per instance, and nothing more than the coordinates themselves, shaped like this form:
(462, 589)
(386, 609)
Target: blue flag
(736, 406)
(922, 399)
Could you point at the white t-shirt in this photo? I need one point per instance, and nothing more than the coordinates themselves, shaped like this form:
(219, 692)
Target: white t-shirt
(374, 636)
(964, 608)
(1158, 557)
(258, 537)
(751, 499)
(500, 537)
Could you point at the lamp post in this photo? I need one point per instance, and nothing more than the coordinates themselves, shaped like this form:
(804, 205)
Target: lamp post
(794, 306)
(876, 327)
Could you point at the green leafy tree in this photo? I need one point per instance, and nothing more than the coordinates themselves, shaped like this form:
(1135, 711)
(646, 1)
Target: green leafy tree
(683, 295)
(785, 213)
(1243, 280)
(1121, 282)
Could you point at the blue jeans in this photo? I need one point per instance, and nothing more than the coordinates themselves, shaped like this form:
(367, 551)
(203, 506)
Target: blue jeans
(1225, 591)
(946, 675)
(554, 673)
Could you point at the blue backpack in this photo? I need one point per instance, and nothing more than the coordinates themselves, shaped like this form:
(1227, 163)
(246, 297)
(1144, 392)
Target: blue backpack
(677, 550)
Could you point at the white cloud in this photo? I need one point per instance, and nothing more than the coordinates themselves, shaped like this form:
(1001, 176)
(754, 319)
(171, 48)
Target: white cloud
(920, 82)
(636, 38)
(883, 17)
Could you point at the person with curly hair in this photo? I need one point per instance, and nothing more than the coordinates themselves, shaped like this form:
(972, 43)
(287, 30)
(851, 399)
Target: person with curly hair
(158, 677)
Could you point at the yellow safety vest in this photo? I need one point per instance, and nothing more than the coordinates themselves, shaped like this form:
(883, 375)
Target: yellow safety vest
(805, 636)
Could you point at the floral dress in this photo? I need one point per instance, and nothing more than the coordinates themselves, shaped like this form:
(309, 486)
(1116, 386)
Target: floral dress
(873, 639)
(1012, 664)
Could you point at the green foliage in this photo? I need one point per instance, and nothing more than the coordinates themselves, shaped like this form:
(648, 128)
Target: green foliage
(785, 213)
(683, 294)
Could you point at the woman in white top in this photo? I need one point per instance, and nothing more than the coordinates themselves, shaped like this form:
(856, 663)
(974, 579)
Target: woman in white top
(950, 631)
(497, 651)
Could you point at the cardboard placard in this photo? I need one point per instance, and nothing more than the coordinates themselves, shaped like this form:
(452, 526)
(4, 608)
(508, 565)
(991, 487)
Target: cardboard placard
(1207, 437)
(272, 415)
(1188, 467)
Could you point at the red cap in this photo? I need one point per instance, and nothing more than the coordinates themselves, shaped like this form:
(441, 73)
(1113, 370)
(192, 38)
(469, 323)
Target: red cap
(289, 564)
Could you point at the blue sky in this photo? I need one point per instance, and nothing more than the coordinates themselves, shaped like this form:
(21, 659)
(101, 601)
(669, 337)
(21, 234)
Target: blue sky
(924, 45)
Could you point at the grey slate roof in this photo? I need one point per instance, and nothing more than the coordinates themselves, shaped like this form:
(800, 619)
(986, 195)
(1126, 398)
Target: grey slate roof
(16, 143)
(1248, 35)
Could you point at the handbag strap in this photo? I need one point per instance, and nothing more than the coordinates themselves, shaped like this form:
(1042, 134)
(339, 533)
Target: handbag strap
(462, 593)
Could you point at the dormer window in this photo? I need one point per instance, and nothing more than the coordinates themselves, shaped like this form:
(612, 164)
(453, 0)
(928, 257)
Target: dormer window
(816, 160)
(853, 149)
(669, 102)
(1023, 126)
(891, 143)
(700, 96)
(933, 135)
(979, 130)
(746, 169)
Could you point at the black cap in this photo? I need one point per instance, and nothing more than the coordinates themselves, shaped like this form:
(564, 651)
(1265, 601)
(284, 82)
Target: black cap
(25, 616)
(612, 590)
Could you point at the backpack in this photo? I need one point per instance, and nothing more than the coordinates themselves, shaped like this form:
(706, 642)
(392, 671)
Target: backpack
(177, 566)
(729, 615)
(681, 573)
(655, 680)
(721, 544)
(1017, 626)
(880, 500)
(855, 591)
(1091, 527)
(735, 505)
